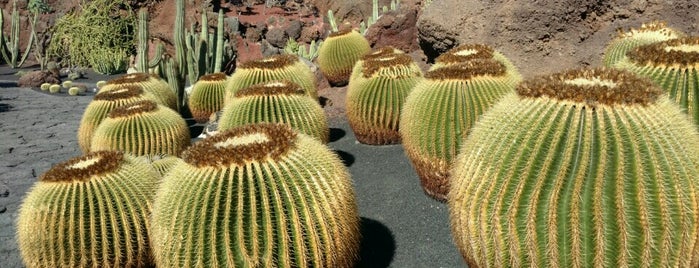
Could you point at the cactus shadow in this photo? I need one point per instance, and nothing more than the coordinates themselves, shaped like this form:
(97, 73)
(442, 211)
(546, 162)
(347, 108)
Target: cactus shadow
(377, 247)
(347, 158)
(336, 134)
(4, 107)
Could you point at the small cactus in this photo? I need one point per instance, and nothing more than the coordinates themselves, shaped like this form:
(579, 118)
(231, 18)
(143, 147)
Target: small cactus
(276, 102)
(338, 54)
(150, 83)
(67, 84)
(55, 88)
(469, 52)
(45, 86)
(207, 96)
(90, 211)
(73, 91)
(648, 33)
(585, 168)
(260, 195)
(142, 128)
(100, 84)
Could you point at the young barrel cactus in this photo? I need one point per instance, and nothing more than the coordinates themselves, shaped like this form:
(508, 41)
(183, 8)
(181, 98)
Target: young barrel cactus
(586, 168)
(375, 96)
(469, 52)
(55, 88)
(207, 96)
(150, 83)
(338, 54)
(439, 113)
(673, 65)
(648, 33)
(273, 68)
(260, 195)
(45, 86)
(91, 211)
(162, 163)
(276, 102)
(142, 128)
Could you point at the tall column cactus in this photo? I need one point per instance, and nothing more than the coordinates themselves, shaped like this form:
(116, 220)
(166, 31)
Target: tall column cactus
(142, 63)
(586, 168)
(9, 45)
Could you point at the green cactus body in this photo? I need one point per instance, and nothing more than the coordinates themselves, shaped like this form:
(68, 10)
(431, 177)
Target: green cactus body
(469, 52)
(260, 195)
(378, 53)
(276, 102)
(55, 88)
(91, 211)
(150, 83)
(648, 33)
(142, 128)
(162, 163)
(339, 53)
(207, 96)
(440, 111)
(587, 168)
(376, 95)
(673, 65)
(273, 68)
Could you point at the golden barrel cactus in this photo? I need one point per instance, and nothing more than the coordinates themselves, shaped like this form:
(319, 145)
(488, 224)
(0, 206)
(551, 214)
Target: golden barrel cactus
(207, 96)
(338, 54)
(625, 41)
(467, 52)
(150, 83)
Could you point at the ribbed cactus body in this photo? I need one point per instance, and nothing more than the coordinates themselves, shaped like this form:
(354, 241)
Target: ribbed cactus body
(142, 128)
(648, 33)
(468, 52)
(100, 106)
(91, 211)
(439, 113)
(338, 54)
(273, 68)
(162, 163)
(582, 169)
(207, 96)
(150, 83)
(673, 65)
(276, 102)
(257, 196)
(377, 53)
(376, 94)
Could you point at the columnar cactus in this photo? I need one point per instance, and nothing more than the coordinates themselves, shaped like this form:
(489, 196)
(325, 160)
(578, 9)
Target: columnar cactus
(260, 195)
(375, 96)
(91, 211)
(469, 52)
(648, 33)
(276, 102)
(673, 66)
(150, 83)
(207, 96)
(439, 113)
(142, 128)
(273, 68)
(338, 54)
(586, 168)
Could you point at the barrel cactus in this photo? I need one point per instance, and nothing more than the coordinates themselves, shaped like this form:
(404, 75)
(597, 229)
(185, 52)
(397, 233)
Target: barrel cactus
(469, 52)
(585, 168)
(272, 68)
(73, 91)
(375, 96)
(45, 86)
(338, 54)
(260, 195)
(673, 66)
(150, 83)
(439, 113)
(377, 53)
(55, 88)
(207, 96)
(90, 211)
(648, 33)
(162, 163)
(142, 128)
(276, 102)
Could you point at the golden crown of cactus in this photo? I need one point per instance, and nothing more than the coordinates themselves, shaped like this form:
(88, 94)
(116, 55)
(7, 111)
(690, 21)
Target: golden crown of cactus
(439, 113)
(91, 211)
(260, 195)
(338, 54)
(142, 128)
(276, 102)
(467, 52)
(272, 68)
(648, 33)
(673, 66)
(207, 96)
(100, 106)
(150, 83)
(586, 168)
(377, 53)
(375, 96)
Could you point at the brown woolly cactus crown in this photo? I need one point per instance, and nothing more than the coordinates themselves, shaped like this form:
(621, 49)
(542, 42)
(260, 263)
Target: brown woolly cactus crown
(254, 142)
(214, 77)
(593, 86)
(465, 53)
(271, 62)
(341, 32)
(85, 167)
(131, 78)
(653, 26)
(682, 52)
(389, 61)
(144, 106)
(468, 70)
(381, 52)
(271, 88)
(125, 92)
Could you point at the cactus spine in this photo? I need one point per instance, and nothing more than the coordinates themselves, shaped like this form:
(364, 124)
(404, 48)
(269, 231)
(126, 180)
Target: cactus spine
(439, 113)
(260, 196)
(338, 54)
(648, 33)
(586, 168)
(91, 211)
(207, 96)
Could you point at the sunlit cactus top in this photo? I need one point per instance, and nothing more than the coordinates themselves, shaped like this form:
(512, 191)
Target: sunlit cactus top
(625, 41)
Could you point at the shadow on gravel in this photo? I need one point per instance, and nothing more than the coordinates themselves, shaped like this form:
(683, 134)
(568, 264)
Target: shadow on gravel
(4, 107)
(347, 158)
(377, 247)
(336, 134)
